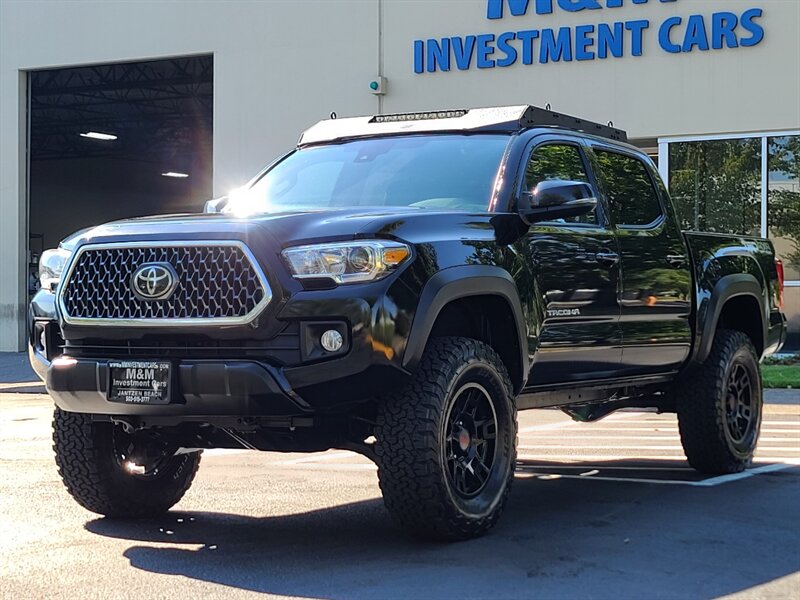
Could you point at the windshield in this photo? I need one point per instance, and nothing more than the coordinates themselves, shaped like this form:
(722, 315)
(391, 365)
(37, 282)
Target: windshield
(435, 171)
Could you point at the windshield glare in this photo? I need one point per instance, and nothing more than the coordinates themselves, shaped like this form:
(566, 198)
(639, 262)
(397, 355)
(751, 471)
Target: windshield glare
(438, 172)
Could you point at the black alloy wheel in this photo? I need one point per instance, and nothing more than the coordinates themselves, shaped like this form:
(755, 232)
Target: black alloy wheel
(471, 444)
(719, 405)
(117, 474)
(446, 443)
(739, 409)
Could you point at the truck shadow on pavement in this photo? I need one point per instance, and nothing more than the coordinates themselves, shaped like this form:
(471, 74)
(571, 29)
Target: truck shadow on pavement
(558, 538)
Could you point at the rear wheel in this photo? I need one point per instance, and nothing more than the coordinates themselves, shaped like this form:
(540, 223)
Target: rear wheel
(117, 474)
(446, 445)
(720, 405)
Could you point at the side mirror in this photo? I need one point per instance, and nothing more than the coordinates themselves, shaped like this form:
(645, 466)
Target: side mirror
(216, 205)
(556, 199)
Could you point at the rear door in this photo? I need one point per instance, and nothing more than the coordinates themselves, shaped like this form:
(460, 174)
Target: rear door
(655, 300)
(575, 264)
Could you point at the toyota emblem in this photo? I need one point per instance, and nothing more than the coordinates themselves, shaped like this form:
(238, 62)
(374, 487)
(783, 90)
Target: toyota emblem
(154, 281)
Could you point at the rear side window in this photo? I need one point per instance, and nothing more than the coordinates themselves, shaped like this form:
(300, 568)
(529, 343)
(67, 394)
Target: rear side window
(558, 161)
(631, 195)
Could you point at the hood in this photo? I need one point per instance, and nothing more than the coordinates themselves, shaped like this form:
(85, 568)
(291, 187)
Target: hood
(284, 229)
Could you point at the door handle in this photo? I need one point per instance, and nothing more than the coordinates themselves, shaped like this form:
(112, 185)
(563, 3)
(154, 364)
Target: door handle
(607, 259)
(676, 260)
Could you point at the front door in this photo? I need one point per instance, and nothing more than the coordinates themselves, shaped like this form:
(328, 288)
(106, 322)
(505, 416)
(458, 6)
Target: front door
(575, 263)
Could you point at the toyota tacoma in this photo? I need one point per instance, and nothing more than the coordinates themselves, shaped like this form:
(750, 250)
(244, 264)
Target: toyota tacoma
(400, 286)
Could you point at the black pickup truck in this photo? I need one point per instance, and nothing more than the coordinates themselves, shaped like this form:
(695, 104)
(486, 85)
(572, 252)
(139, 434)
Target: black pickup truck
(400, 285)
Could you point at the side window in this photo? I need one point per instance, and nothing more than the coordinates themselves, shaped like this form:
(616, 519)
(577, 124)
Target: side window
(631, 195)
(558, 161)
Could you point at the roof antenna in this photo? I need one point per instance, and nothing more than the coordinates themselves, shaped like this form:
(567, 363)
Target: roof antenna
(611, 123)
(547, 106)
(333, 115)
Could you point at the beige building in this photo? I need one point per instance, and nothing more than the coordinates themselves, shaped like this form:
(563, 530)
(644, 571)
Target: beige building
(710, 87)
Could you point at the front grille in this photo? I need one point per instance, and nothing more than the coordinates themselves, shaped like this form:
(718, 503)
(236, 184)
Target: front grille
(216, 282)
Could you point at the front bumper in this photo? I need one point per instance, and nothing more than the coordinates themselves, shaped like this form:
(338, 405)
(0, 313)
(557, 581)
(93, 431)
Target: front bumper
(39, 362)
(199, 388)
(271, 367)
(44, 336)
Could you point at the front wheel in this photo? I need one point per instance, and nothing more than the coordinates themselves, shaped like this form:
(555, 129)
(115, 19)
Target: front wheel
(719, 406)
(446, 445)
(116, 474)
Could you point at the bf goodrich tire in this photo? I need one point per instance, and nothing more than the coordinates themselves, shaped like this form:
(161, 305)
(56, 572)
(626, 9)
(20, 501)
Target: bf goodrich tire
(719, 406)
(94, 472)
(446, 444)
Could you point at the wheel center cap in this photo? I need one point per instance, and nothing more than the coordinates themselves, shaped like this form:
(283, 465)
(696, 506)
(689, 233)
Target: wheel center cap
(464, 440)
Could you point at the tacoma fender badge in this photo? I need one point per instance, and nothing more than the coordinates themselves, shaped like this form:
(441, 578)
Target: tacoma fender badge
(563, 312)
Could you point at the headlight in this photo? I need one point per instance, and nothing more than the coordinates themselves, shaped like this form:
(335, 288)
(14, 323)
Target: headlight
(347, 262)
(51, 267)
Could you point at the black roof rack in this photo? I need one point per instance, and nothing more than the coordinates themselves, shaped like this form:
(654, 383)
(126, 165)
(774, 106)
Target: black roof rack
(509, 119)
(544, 117)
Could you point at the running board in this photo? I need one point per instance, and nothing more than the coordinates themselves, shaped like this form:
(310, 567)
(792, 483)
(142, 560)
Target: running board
(588, 392)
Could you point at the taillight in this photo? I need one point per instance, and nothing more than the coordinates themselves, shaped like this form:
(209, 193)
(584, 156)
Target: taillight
(779, 268)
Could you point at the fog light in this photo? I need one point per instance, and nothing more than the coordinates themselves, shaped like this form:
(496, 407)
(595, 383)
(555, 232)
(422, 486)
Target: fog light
(331, 340)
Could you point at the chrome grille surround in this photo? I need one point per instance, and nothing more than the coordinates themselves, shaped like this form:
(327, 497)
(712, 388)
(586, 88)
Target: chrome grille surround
(220, 282)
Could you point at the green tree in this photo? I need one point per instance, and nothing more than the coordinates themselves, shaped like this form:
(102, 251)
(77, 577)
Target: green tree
(716, 185)
(784, 195)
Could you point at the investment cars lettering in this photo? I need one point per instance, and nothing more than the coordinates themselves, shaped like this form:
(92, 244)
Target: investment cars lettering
(675, 35)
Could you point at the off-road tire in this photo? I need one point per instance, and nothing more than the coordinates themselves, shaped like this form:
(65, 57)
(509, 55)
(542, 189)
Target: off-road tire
(702, 403)
(412, 444)
(84, 453)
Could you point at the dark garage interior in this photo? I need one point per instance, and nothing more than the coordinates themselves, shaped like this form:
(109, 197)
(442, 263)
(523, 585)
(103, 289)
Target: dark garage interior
(115, 141)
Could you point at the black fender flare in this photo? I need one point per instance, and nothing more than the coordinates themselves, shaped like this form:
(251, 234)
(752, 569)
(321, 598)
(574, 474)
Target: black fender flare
(458, 282)
(729, 286)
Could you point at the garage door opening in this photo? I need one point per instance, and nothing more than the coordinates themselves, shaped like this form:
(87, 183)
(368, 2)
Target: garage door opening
(116, 141)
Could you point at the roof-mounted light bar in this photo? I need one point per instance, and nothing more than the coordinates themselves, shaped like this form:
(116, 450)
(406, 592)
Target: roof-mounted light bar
(499, 119)
(418, 116)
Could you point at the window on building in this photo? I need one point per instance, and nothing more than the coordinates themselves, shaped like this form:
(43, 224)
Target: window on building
(561, 162)
(627, 184)
(723, 186)
(783, 201)
(716, 185)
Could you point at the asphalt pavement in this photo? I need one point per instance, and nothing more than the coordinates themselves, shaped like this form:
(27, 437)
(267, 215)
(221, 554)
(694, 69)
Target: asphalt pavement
(602, 510)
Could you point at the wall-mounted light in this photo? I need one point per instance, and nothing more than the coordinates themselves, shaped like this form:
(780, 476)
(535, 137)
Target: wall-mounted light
(96, 135)
(378, 86)
(177, 174)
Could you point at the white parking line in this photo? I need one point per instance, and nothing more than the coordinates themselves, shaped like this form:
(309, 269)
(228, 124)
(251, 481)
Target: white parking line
(589, 458)
(608, 468)
(316, 458)
(552, 476)
(673, 447)
(563, 424)
(666, 421)
(595, 428)
(657, 436)
(665, 426)
(749, 473)
(776, 464)
(713, 481)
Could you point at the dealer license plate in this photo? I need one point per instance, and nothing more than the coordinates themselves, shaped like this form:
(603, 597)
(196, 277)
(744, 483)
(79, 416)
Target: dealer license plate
(139, 382)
